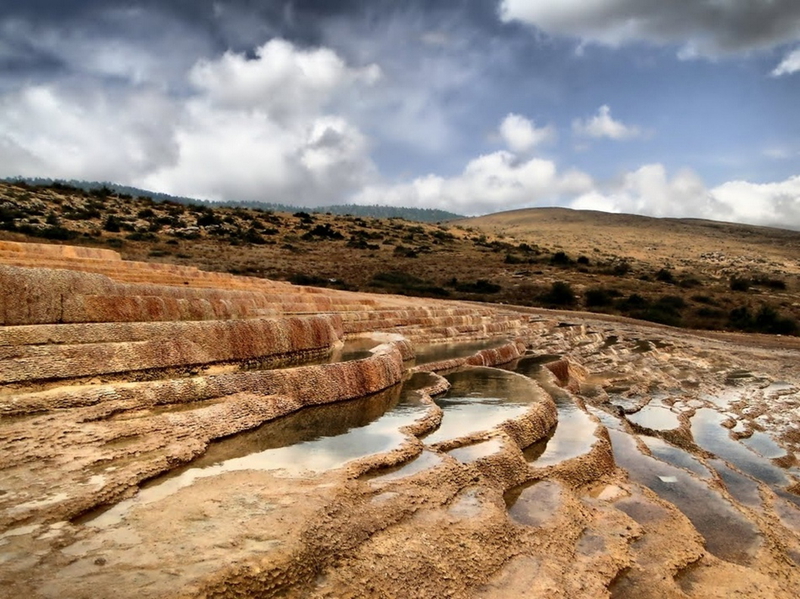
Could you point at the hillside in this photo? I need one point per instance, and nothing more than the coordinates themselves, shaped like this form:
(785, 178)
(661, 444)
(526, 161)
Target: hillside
(427, 215)
(678, 272)
(678, 241)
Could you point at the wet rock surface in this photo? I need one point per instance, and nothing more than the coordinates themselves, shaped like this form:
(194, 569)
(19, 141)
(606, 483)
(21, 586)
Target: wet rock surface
(201, 435)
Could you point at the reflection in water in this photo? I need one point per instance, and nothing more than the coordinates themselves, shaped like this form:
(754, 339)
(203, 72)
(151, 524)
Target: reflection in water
(655, 418)
(574, 433)
(675, 456)
(573, 436)
(435, 352)
(710, 435)
(728, 534)
(470, 453)
(764, 445)
(312, 440)
(478, 400)
(742, 488)
(353, 349)
(535, 504)
(424, 461)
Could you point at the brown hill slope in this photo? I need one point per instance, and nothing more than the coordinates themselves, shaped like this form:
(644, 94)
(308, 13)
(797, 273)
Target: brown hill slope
(685, 273)
(679, 241)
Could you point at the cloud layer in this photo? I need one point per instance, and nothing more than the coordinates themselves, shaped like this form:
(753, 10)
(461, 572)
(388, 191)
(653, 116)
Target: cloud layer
(700, 27)
(251, 129)
(311, 103)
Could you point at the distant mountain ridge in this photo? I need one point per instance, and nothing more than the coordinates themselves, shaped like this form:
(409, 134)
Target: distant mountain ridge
(426, 215)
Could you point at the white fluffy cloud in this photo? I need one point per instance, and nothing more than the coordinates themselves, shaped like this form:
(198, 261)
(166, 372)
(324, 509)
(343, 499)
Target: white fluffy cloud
(790, 64)
(776, 204)
(490, 183)
(60, 132)
(700, 27)
(253, 129)
(281, 81)
(651, 191)
(603, 125)
(521, 134)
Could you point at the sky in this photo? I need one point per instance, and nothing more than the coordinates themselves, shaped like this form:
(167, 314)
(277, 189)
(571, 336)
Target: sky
(681, 109)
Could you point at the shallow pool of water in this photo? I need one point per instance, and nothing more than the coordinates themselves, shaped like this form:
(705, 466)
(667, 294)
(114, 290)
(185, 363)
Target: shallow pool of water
(710, 435)
(674, 455)
(476, 451)
(743, 488)
(655, 418)
(764, 445)
(534, 504)
(436, 352)
(728, 534)
(572, 436)
(424, 461)
(312, 440)
(478, 400)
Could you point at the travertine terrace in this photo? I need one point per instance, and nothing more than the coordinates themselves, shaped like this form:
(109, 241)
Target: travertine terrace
(151, 419)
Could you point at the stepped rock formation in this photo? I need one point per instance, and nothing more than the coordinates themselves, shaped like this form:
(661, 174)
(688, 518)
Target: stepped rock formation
(169, 432)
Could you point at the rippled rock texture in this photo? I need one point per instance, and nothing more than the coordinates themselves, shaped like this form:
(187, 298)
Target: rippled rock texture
(166, 432)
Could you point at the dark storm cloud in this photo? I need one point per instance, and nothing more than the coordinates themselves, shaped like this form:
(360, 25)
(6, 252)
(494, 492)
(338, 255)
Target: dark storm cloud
(40, 38)
(705, 26)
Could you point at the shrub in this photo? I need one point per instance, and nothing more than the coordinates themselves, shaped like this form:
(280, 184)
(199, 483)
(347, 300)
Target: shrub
(112, 224)
(710, 313)
(87, 213)
(665, 276)
(479, 286)
(404, 283)
(7, 215)
(739, 284)
(559, 294)
(58, 233)
(763, 281)
(597, 297)
(359, 243)
(141, 236)
(661, 314)
(322, 232)
(208, 219)
(560, 259)
(251, 235)
(304, 217)
(768, 320)
(674, 302)
(402, 251)
(688, 281)
(704, 299)
(633, 301)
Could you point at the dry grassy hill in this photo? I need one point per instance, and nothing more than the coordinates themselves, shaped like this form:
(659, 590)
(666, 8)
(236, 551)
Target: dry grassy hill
(688, 273)
(689, 242)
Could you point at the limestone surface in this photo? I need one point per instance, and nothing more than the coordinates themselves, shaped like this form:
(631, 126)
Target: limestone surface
(166, 432)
